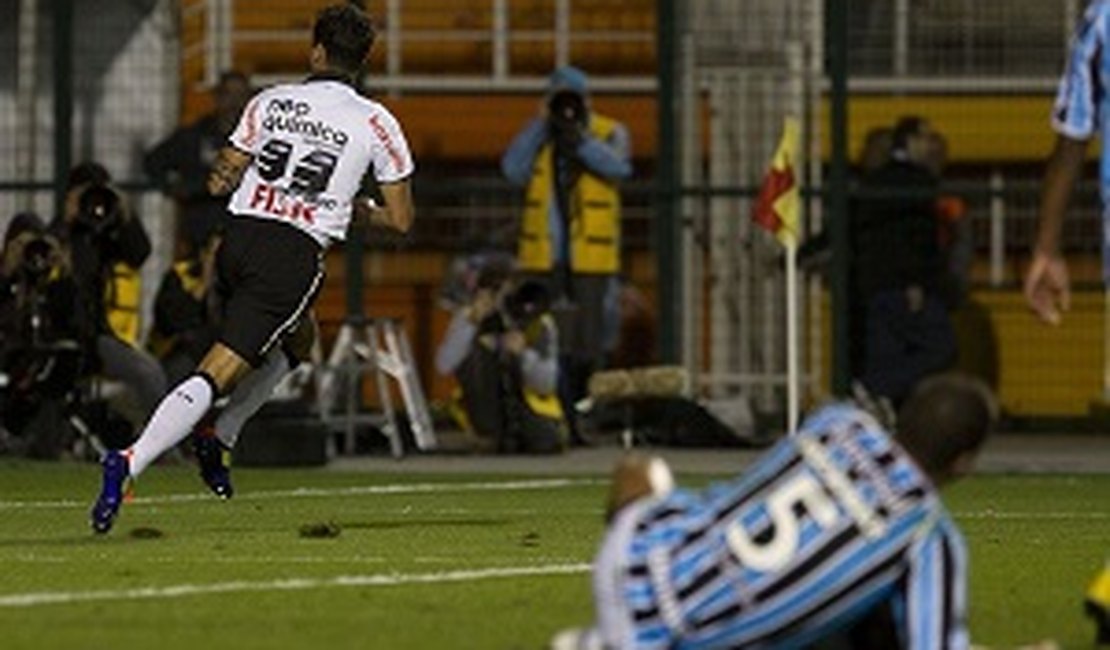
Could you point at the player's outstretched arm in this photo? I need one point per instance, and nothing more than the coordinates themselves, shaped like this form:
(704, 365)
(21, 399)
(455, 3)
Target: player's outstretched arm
(396, 214)
(227, 171)
(1047, 288)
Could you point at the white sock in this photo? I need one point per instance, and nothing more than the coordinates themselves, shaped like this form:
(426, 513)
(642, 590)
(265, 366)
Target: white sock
(249, 396)
(175, 417)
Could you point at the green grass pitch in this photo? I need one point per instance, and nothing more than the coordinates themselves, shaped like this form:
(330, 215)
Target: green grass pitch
(456, 561)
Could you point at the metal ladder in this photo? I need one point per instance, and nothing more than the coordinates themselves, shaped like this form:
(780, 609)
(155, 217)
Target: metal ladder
(381, 345)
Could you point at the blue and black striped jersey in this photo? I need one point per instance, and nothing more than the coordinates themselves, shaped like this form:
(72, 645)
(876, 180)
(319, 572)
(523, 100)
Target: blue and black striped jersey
(830, 523)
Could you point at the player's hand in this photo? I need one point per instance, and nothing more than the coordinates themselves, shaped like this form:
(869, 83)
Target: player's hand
(1047, 289)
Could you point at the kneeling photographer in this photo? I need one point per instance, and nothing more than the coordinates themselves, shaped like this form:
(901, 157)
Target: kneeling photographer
(39, 328)
(502, 347)
(107, 244)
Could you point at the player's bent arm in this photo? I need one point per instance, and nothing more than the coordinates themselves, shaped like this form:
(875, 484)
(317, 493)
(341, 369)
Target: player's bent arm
(227, 171)
(1064, 167)
(1046, 282)
(396, 214)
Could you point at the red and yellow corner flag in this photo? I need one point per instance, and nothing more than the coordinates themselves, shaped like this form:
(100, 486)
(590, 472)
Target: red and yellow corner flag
(779, 204)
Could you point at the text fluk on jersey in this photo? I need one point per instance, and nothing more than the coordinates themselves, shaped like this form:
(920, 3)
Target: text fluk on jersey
(282, 202)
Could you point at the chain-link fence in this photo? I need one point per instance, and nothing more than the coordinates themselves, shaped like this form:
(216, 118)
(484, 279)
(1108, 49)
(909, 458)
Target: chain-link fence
(981, 78)
(464, 76)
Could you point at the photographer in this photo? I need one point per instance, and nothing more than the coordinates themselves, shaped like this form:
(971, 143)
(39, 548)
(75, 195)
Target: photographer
(180, 164)
(570, 159)
(502, 347)
(107, 245)
(39, 328)
(185, 312)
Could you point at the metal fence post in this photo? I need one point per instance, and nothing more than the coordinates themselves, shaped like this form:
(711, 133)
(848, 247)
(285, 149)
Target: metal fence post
(63, 99)
(562, 32)
(837, 196)
(27, 54)
(667, 231)
(998, 229)
(500, 48)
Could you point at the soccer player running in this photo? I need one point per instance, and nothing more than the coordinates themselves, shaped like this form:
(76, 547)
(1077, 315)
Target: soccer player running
(831, 524)
(294, 163)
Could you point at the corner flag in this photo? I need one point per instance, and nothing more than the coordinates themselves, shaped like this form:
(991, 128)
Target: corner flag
(779, 203)
(778, 210)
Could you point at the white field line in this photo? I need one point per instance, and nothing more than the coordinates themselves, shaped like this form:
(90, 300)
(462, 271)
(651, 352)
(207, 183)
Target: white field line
(36, 599)
(1033, 516)
(32, 558)
(308, 492)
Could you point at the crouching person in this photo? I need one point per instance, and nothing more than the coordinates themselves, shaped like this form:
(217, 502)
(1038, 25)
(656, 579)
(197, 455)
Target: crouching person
(502, 347)
(834, 524)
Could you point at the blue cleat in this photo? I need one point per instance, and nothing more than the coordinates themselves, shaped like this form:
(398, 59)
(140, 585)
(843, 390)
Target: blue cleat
(214, 459)
(117, 471)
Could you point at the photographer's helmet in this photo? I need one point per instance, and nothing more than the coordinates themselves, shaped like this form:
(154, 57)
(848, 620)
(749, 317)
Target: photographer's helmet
(568, 94)
(568, 78)
(88, 173)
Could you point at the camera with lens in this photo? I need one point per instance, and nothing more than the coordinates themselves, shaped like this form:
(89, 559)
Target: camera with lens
(100, 209)
(526, 303)
(37, 259)
(566, 111)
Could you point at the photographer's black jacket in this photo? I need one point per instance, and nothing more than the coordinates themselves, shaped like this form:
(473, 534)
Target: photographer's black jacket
(93, 255)
(894, 230)
(53, 305)
(180, 165)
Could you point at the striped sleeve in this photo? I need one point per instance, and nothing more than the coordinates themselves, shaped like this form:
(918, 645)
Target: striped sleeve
(935, 592)
(1081, 92)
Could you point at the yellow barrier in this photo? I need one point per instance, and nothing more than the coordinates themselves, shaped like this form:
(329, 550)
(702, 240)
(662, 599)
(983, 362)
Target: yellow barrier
(979, 129)
(1037, 370)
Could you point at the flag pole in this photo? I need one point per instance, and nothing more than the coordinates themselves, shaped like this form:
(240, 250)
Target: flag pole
(777, 209)
(793, 384)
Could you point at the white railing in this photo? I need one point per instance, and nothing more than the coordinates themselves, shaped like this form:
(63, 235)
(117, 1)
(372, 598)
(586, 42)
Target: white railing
(221, 35)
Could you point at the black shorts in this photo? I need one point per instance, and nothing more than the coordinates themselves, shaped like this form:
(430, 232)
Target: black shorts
(267, 276)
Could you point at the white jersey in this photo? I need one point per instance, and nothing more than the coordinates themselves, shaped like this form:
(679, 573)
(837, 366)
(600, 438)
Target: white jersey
(311, 144)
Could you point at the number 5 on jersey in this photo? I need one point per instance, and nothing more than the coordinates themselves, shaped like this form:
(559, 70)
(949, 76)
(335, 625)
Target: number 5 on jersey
(779, 549)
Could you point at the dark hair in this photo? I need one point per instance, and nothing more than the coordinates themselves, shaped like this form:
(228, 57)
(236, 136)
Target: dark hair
(346, 34)
(904, 129)
(88, 173)
(232, 76)
(946, 416)
(493, 274)
(24, 222)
